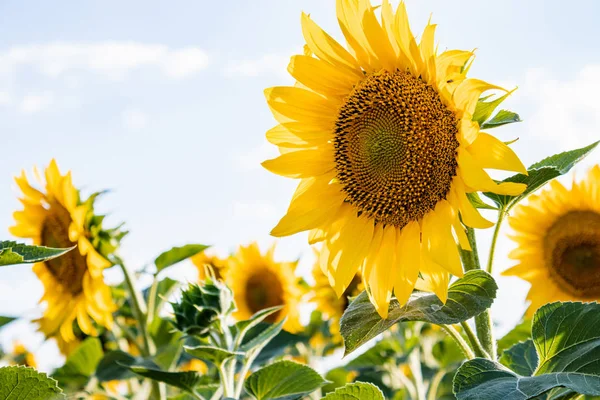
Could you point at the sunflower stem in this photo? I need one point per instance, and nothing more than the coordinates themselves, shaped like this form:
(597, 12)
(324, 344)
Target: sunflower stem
(454, 334)
(435, 384)
(475, 345)
(490, 264)
(483, 322)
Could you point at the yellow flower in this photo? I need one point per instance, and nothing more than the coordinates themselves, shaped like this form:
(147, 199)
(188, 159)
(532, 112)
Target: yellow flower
(202, 260)
(259, 282)
(22, 356)
(331, 306)
(195, 365)
(558, 242)
(74, 288)
(383, 141)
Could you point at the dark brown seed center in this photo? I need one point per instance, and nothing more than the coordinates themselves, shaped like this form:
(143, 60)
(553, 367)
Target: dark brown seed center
(572, 252)
(70, 268)
(264, 290)
(395, 148)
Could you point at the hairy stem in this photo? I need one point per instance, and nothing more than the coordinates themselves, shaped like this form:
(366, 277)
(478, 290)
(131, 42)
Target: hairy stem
(483, 322)
(435, 384)
(454, 334)
(490, 264)
(475, 345)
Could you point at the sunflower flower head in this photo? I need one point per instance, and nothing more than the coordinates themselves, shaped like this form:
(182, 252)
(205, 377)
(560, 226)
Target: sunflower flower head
(201, 306)
(76, 296)
(22, 356)
(217, 264)
(557, 234)
(328, 303)
(381, 135)
(259, 282)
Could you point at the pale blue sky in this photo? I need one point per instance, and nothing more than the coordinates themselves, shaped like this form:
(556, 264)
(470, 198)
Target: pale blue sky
(164, 105)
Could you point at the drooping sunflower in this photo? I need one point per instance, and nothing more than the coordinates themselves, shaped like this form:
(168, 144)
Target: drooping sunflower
(331, 306)
(259, 282)
(383, 141)
(558, 242)
(74, 288)
(217, 264)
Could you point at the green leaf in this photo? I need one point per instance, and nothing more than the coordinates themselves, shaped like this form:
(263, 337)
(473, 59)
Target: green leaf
(283, 380)
(521, 358)
(14, 253)
(477, 202)
(566, 337)
(177, 254)
(484, 109)
(276, 346)
(23, 383)
(243, 327)
(519, 333)
(115, 366)
(6, 320)
(213, 354)
(81, 363)
(502, 118)
(356, 391)
(187, 380)
(257, 343)
(540, 173)
(467, 297)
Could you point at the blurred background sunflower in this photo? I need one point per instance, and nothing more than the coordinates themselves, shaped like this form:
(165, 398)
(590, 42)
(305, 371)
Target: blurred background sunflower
(259, 282)
(74, 287)
(557, 238)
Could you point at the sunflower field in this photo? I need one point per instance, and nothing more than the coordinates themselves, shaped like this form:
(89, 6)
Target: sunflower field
(401, 161)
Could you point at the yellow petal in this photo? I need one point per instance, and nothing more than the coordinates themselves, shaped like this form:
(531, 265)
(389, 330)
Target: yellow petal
(33, 195)
(477, 179)
(438, 240)
(435, 279)
(314, 207)
(382, 276)
(470, 215)
(468, 92)
(302, 163)
(282, 135)
(83, 320)
(378, 40)
(321, 76)
(492, 153)
(300, 104)
(326, 48)
(408, 260)
(406, 39)
(349, 18)
(355, 240)
(427, 53)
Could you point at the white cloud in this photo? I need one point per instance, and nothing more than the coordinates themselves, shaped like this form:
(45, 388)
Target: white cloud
(5, 98)
(33, 103)
(135, 119)
(268, 64)
(110, 59)
(567, 111)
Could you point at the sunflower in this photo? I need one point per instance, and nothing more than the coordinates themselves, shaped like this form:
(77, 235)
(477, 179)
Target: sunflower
(383, 141)
(558, 242)
(74, 288)
(328, 303)
(217, 264)
(259, 282)
(22, 356)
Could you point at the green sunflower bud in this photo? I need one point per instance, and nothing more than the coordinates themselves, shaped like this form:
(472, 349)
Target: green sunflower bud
(201, 306)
